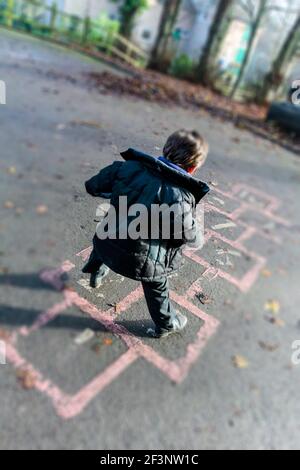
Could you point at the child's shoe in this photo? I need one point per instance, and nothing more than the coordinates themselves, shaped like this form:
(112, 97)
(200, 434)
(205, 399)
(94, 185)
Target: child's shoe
(179, 323)
(98, 276)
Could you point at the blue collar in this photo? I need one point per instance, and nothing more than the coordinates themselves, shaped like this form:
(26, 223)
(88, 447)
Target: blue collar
(172, 165)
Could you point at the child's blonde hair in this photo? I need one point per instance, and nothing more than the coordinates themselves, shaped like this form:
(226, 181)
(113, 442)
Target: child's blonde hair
(186, 149)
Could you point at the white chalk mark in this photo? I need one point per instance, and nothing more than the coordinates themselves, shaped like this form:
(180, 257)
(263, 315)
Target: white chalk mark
(85, 283)
(84, 337)
(218, 200)
(222, 226)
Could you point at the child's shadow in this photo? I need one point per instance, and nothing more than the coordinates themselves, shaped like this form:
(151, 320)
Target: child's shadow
(25, 281)
(137, 328)
(17, 317)
(20, 316)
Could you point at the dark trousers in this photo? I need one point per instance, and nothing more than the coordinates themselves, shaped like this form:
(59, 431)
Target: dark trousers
(159, 305)
(156, 293)
(95, 265)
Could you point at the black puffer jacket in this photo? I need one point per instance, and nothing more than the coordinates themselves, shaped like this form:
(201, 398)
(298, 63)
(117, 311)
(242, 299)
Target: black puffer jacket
(146, 180)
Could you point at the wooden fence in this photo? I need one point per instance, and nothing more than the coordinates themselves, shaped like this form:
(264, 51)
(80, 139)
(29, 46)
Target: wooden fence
(39, 19)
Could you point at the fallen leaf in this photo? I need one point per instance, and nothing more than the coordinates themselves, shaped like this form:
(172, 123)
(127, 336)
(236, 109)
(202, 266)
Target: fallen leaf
(276, 321)
(240, 362)
(107, 341)
(94, 124)
(266, 273)
(4, 334)
(96, 348)
(268, 346)
(204, 298)
(4, 270)
(116, 307)
(26, 378)
(12, 170)
(9, 205)
(272, 306)
(41, 210)
(154, 87)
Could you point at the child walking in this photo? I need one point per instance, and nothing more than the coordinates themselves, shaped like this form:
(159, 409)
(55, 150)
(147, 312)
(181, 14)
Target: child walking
(164, 182)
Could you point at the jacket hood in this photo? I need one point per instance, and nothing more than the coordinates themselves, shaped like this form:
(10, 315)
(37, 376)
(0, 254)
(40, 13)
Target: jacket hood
(186, 181)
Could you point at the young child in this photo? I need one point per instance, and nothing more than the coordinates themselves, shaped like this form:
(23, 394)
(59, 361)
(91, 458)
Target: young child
(143, 179)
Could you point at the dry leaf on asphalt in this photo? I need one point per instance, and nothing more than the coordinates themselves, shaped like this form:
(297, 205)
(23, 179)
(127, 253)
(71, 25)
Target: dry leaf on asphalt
(116, 307)
(272, 306)
(9, 205)
(41, 210)
(266, 273)
(94, 124)
(26, 378)
(96, 348)
(204, 298)
(4, 270)
(12, 170)
(107, 341)
(4, 334)
(240, 362)
(155, 87)
(276, 321)
(268, 346)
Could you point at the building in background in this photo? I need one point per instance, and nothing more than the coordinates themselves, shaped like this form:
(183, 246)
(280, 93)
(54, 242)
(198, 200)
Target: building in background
(145, 30)
(192, 27)
(274, 27)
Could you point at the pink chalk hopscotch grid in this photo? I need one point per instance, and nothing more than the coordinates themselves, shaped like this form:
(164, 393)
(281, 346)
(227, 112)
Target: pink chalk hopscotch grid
(68, 406)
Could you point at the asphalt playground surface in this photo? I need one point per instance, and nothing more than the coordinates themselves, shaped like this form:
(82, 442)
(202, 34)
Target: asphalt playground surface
(81, 372)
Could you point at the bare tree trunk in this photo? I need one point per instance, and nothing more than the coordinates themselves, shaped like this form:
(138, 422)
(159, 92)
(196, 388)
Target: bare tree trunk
(127, 23)
(208, 50)
(254, 28)
(275, 76)
(167, 22)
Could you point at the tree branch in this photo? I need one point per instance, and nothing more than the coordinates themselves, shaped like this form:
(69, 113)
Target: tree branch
(281, 9)
(247, 9)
